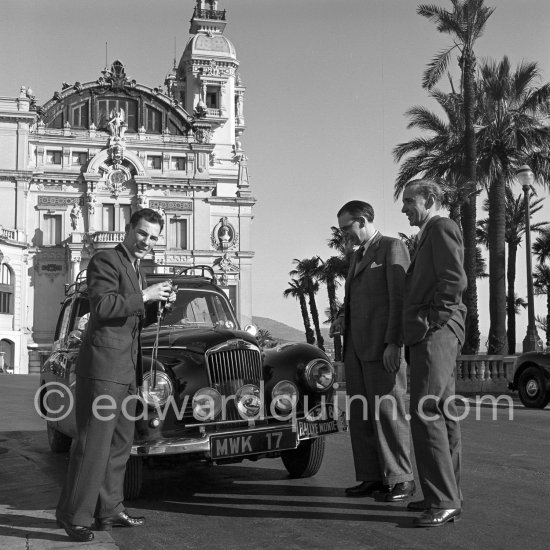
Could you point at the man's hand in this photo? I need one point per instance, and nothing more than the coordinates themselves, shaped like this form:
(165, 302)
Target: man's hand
(392, 358)
(159, 291)
(337, 326)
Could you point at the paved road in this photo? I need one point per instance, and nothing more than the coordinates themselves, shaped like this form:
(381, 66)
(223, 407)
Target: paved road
(506, 484)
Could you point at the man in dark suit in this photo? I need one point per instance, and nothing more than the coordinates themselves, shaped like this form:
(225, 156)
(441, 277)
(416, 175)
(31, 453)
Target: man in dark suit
(375, 373)
(108, 362)
(433, 319)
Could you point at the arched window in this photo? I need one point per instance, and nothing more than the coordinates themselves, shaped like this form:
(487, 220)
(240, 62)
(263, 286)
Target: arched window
(6, 290)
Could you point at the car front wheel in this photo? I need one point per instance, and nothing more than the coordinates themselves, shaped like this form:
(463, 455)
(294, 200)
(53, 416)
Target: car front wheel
(532, 388)
(59, 442)
(133, 478)
(306, 459)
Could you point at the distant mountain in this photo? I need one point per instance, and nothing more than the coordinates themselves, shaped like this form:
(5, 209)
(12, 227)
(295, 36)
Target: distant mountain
(283, 332)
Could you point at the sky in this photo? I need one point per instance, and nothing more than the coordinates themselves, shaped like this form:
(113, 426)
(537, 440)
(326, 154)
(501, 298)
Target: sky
(328, 84)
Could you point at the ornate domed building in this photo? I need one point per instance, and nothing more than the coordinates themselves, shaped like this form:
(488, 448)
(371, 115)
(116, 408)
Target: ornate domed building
(72, 172)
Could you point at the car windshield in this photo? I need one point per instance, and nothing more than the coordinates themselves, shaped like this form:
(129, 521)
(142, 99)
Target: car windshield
(199, 308)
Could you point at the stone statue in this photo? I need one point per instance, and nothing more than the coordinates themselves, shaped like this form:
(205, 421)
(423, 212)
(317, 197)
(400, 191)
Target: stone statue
(75, 215)
(117, 126)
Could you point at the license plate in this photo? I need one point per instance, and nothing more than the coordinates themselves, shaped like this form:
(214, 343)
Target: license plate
(318, 421)
(224, 446)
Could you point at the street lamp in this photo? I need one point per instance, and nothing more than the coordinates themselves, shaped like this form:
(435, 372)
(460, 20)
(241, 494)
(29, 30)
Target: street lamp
(531, 341)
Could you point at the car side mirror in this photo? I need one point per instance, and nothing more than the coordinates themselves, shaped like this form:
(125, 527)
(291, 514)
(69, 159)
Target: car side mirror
(74, 339)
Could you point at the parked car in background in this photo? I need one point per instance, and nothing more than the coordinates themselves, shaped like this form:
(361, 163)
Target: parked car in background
(531, 378)
(209, 392)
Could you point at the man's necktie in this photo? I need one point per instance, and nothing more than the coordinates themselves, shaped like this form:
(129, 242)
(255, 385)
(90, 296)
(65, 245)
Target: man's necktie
(359, 257)
(136, 266)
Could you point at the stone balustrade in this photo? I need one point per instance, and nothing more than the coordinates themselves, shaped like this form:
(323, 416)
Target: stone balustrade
(484, 373)
(473, 373)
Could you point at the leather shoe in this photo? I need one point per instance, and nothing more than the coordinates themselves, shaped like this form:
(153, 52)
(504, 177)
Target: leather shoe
(366, 489)
(401, 491)
(418, 505)
(437, 516)
(77, 533)
(122, 519)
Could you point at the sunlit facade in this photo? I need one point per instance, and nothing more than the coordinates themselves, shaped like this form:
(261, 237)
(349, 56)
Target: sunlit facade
(72, 171)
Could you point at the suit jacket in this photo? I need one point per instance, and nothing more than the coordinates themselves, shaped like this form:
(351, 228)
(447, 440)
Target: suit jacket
(374, 297)
(111, 347)
(434, 283)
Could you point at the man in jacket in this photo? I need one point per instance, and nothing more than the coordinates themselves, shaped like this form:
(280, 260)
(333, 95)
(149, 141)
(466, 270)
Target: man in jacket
(433, 324)
(375, 373)
(109, 360)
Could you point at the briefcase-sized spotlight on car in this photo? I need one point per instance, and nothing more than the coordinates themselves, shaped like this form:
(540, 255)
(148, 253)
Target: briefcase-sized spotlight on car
(209, 392)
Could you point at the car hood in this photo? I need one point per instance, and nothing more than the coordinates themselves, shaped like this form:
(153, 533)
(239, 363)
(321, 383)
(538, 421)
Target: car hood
(198, 340)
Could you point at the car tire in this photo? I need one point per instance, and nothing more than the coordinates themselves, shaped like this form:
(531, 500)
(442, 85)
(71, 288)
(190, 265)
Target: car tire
(133, 478)
(532, 388)
(59, 442)
(306, 459)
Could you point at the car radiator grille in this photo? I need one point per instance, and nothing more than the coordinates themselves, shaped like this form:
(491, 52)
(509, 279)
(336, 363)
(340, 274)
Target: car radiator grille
(229, 370)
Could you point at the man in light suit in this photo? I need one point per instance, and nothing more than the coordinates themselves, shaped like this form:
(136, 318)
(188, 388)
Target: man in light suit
(375, 373)
(433, 324)
(109, 361)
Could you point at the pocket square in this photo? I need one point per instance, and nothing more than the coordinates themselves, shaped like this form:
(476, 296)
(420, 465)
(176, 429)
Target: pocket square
(374, 264)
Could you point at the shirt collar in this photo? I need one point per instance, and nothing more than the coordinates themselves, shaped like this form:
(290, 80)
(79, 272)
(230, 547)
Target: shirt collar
(367, 243)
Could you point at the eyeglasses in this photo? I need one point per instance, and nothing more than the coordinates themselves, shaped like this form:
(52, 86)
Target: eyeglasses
(348, 226)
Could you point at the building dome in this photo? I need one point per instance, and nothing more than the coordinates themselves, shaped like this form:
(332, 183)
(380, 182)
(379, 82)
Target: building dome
(214, 45)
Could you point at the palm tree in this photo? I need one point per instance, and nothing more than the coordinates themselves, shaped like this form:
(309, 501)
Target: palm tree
(542, 324)
(512, 128)
(438, 156)
(330, 272)
(465, 24)
(296, 290)
(541, 276)
(265, 338)
(541, 280)
(306, 271)
(515, 230)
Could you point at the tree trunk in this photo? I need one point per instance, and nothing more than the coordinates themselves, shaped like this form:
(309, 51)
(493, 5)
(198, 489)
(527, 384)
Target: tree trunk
(548, 318)
(471, 344)
(511, 297)
(310, 337)
(497, 269)
(315, 318)
(331, 291)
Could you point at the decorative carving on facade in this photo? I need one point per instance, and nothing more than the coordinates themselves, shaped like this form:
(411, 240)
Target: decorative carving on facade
(91, 201)
(142, 200)
(224, 236)
(116, 180)
(52, 202)
(226, 266)
(184, 206)
(115, 77)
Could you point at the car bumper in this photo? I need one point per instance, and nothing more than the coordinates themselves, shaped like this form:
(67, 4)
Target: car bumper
(234, 442)
(203, 444)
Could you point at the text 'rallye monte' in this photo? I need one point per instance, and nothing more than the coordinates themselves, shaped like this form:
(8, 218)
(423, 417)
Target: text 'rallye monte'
(209, 392)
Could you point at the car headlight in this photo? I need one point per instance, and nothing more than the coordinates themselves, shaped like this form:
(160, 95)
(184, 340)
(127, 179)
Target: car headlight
(158, 395)
(248, 401)
(207, 404)
(284, 396)
(319, 375)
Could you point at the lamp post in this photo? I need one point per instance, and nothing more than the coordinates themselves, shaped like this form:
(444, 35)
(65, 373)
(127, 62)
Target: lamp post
(531, 341)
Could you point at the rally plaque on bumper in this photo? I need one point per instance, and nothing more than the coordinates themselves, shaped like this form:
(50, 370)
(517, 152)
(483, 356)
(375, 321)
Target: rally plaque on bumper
(318, 421)
(225, 446)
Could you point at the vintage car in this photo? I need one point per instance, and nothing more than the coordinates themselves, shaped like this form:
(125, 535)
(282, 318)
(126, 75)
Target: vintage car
(531, 378)
(209, 392)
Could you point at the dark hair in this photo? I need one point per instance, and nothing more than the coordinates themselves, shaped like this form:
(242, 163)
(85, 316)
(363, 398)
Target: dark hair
(426, 188)
(149, 215)
(356, 209)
